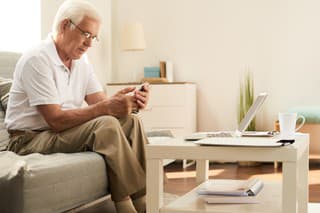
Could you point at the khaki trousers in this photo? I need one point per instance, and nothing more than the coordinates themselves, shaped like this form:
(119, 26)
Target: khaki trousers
(120, 141)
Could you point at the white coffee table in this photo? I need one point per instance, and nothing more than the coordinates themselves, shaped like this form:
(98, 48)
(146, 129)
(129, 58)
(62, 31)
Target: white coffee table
(290, 196)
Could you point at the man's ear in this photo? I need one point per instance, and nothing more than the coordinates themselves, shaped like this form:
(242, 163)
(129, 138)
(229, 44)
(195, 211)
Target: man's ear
(64, 25)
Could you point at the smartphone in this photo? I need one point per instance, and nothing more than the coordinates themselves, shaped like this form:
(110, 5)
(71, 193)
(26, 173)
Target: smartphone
(141, 87)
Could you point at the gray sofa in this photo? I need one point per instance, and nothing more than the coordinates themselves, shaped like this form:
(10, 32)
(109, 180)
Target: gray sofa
(45, 183)
(49, 183)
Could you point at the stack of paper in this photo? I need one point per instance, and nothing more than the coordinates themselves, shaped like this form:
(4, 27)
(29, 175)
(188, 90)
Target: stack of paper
(229, 199)
(233, 188)
(233, 191)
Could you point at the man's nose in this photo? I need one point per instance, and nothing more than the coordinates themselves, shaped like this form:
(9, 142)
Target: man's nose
(88, 42)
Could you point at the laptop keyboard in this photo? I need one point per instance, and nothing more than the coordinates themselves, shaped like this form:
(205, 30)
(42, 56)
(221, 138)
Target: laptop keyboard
(219, 134)
(202, 135)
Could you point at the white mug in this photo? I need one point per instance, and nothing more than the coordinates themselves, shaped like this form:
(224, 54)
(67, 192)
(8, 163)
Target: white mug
(287, 122)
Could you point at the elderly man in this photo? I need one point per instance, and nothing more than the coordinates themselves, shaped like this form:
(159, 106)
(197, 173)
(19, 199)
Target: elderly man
(45, 112)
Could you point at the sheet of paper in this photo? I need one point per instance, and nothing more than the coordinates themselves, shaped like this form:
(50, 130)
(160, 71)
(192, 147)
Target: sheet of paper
(241, 141)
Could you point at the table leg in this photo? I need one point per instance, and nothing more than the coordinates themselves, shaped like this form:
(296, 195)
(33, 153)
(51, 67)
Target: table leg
(289, 187)
(154, 197)
(186, 163)
(202, 170)
(303, 187)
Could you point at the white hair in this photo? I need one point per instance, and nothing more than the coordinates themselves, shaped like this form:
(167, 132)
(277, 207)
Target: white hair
(74, 10)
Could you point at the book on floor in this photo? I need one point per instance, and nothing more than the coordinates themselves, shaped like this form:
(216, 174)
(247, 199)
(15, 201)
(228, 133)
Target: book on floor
(249, 187)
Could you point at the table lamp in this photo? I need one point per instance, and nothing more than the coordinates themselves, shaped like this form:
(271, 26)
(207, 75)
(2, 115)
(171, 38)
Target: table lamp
(132, 38)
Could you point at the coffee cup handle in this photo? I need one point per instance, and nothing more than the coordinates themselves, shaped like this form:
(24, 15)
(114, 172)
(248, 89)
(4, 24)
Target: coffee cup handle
(302, 123)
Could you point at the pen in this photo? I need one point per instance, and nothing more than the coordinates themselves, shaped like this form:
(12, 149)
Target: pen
(284, 141)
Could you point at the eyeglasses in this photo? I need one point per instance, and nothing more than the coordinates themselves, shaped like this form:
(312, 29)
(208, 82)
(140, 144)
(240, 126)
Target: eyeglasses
(85, 34)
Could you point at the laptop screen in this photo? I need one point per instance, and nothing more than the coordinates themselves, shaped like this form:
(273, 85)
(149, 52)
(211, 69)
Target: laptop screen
(252, 112)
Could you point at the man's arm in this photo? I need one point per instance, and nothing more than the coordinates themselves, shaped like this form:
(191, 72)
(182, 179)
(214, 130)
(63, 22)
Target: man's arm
(60, 120)
(95, 98)
(142, 96)
(118, 105)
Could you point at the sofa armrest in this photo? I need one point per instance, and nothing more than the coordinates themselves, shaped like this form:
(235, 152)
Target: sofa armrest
(11, 182)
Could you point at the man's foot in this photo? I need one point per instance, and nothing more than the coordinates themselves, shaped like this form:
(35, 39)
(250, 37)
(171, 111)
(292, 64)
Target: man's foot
(125, 206)
(140, 204)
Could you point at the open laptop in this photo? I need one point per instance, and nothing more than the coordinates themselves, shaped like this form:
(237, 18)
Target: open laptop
(240, 131)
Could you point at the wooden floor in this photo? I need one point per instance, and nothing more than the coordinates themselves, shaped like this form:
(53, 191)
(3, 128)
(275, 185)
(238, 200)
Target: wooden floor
(180, 181)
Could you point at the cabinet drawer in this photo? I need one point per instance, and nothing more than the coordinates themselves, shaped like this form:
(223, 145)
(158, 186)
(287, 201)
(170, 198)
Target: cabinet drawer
(164, 117)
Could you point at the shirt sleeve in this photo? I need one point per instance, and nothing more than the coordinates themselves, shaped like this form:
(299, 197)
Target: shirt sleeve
(38, 83)
(93, 85)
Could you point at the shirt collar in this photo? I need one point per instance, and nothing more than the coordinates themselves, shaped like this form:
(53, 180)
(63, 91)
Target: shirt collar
(52, 51)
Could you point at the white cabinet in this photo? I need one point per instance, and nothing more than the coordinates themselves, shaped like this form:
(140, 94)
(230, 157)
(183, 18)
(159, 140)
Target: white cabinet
(172, 106)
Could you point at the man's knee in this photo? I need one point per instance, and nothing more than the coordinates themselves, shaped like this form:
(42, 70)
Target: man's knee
(129, 120)
(115, 124)
(107, 120)
(107, 126)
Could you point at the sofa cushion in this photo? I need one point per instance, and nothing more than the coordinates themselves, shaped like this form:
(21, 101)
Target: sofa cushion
(53, 183)
(5, 85)
(4, 136)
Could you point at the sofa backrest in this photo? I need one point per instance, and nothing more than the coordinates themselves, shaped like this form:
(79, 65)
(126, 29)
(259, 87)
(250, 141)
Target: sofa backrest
(8, 61)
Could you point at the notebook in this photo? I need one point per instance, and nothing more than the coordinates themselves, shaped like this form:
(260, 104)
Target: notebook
(240, 131)
(249, 187)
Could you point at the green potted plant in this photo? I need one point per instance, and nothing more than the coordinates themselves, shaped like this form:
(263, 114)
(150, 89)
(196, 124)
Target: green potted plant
(246, 98)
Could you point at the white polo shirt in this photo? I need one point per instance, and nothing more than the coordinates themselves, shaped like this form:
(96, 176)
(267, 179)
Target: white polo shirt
(41, 78)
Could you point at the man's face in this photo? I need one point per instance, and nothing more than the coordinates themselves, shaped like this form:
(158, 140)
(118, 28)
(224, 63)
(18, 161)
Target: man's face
(75, 43)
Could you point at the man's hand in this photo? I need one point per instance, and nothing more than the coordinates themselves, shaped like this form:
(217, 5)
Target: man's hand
(142, 96)
(131, 97)
(120, 104)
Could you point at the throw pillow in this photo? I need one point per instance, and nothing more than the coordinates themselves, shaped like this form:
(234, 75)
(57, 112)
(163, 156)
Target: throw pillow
(4, 136)
(5, 85)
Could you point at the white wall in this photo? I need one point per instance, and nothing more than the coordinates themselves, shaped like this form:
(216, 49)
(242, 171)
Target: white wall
(99, 54)
(212, 42)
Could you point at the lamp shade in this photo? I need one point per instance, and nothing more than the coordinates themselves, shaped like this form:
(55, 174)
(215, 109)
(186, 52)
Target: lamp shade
(132, 37)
